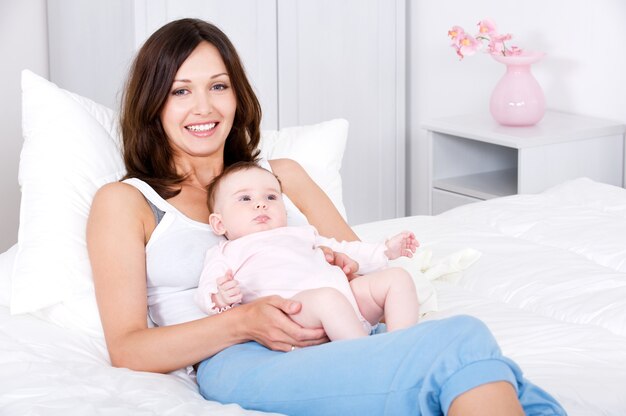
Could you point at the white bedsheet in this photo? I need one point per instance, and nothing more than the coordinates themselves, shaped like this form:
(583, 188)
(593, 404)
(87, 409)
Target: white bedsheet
(551, 285)
(48, 370)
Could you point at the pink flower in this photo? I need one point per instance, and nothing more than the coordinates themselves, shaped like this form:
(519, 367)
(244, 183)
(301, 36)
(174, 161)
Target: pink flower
(468, 45)
(497, 46)
(454, 34)
(486, 27)
(465, 44)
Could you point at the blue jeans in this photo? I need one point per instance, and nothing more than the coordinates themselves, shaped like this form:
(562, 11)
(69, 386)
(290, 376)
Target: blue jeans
(416, 371)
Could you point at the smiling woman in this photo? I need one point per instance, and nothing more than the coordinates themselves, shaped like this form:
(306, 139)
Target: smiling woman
(199, 112)
(199, 81)
(186, 74)
(184, 121)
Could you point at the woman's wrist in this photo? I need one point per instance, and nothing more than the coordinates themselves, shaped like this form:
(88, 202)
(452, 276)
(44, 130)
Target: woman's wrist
(239, 323)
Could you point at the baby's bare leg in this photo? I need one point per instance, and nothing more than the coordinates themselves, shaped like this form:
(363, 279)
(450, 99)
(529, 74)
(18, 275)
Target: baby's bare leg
(328, 308)
(390, 293)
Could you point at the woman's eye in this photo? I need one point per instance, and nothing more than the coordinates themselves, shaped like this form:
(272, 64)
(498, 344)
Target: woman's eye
(219, 87)
(180, 91)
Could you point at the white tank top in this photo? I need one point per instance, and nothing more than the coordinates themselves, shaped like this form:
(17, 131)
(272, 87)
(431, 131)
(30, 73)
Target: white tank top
(175, 256)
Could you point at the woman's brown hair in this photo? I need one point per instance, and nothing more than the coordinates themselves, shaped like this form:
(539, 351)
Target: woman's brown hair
(147, 152)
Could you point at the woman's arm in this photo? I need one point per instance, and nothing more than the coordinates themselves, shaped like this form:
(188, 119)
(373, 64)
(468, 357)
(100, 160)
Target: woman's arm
(120, 223)
(311, 200)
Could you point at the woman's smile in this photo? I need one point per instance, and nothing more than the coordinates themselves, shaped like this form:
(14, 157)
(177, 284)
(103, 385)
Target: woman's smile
(202, 129)
(201, 104)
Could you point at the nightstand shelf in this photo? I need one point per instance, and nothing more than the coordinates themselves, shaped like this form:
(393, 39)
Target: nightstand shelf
(472, 158)
(484, 185)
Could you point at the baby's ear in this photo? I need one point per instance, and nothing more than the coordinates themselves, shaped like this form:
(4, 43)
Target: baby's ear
(216, 223)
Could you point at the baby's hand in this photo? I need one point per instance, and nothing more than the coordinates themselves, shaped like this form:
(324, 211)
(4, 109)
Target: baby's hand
(403, 244)
(228, 292)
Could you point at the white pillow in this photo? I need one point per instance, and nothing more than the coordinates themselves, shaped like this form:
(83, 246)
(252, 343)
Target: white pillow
(71, 148)
(319, 149)
(7, 259)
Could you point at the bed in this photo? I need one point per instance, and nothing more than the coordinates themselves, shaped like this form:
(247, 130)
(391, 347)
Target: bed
(547, 274)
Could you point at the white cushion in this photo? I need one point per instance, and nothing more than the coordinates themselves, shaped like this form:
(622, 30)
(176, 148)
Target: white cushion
(318, 148)
(71, 148)
(7, 259)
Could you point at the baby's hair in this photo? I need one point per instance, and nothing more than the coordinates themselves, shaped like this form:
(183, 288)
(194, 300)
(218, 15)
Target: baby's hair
(213, 187)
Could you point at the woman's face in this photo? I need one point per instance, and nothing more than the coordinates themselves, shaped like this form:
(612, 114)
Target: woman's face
(199, 111)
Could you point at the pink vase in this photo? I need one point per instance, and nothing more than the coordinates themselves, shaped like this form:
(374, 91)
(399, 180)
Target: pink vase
(518, 100)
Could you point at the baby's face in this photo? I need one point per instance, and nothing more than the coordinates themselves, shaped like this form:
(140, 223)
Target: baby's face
(250, 201)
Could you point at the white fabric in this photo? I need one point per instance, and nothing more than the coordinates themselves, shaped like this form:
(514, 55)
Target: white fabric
(550, 284)
(48, 370)
(424, 266)
(7, 259)
(449, 267)
(71, 148)
(380, 230)
(172, 285)
(294, 216)
(319, 149)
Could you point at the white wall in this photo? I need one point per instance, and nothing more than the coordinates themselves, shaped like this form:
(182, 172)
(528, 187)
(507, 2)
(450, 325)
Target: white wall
(23, 44)
(346, 59)
(309, 60)
(99, 47)
(584, 70)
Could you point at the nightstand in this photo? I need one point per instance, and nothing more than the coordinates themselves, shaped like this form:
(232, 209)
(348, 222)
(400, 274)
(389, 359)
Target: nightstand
(473, 158)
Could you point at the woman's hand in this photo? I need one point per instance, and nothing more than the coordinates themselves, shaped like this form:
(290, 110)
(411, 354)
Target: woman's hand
(267, 322)
(341, 260)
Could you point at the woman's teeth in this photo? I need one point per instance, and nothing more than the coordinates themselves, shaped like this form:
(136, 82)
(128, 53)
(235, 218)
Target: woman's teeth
(201, 127)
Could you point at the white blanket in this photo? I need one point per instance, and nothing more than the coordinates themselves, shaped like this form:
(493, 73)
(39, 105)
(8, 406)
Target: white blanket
(550, 283)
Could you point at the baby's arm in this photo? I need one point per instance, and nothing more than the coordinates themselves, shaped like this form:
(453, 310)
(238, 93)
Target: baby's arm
(373, 256)
(368, 256)
(403, 244)
(217, 288)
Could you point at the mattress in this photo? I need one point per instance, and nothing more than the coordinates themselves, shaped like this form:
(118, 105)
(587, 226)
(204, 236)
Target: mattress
(550, 284)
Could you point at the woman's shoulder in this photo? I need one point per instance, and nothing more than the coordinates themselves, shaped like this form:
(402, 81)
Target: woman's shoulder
(285, 166)
(120, 210)
(116, 191)
(290, 172)
(120, 195)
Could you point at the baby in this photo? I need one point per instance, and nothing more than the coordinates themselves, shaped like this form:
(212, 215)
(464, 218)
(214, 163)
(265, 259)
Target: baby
(263, 256)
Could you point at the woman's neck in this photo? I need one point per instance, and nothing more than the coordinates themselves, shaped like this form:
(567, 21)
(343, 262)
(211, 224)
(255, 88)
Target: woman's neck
(199, 172)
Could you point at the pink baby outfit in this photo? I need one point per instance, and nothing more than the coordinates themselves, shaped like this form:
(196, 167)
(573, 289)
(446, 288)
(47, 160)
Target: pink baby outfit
(284, 261)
